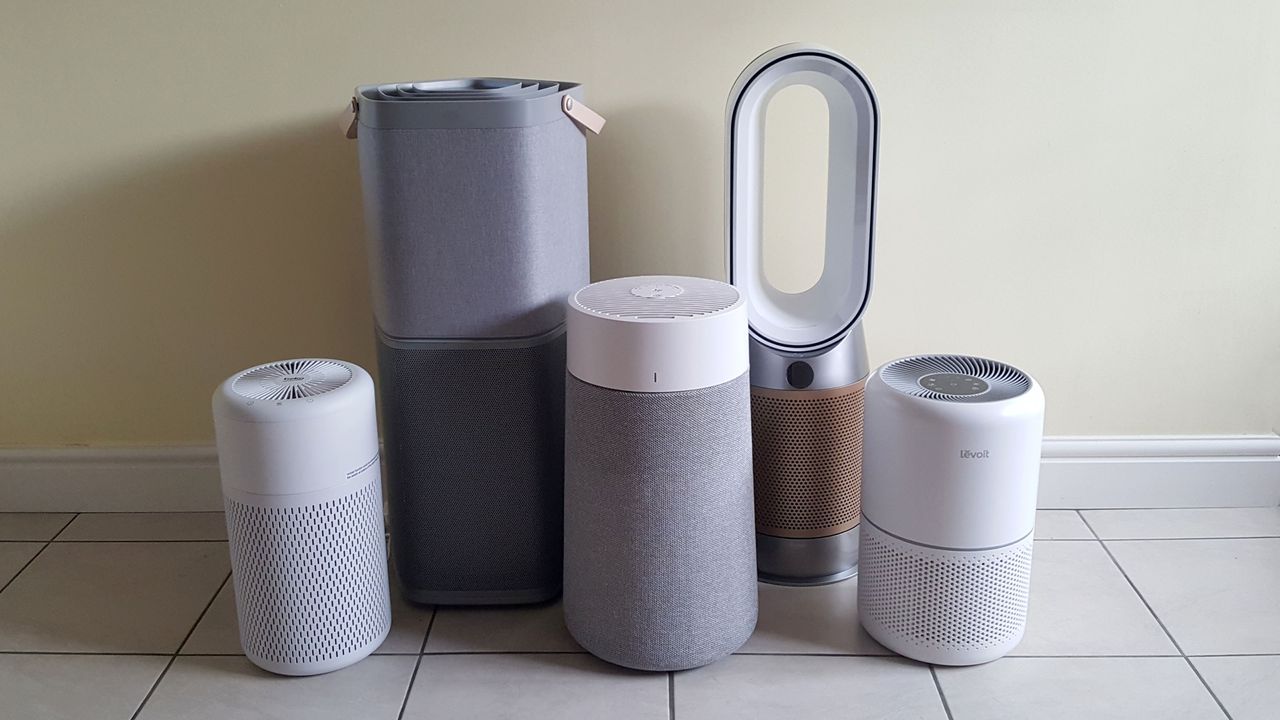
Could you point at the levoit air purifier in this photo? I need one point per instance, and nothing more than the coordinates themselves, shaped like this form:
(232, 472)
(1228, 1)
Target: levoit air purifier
(659, 543)
(808, 355)
(949, 506)
(298, 455)
(475, 197)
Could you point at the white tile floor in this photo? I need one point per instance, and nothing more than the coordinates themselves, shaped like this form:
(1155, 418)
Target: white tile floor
(1134, 614)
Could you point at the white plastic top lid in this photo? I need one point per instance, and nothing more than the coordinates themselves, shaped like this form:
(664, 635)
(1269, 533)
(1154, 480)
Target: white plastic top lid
(825, 312)
(657, 333)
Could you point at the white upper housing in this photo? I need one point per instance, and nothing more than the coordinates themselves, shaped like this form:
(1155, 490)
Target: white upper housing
(952, 451)
(296, 428)
(657, 333)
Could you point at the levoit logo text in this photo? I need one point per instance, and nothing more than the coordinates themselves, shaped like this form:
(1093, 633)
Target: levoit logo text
(975, 454)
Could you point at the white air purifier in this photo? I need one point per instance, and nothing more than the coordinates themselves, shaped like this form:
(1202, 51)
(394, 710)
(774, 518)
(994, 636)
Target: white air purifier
(659, 552)
(808, 356)
(298, 454)
(949, 507)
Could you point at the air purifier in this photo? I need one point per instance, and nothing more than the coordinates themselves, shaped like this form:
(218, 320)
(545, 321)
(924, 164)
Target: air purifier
(659, 544)
(475, 196)
(808, 354)
(298, 455)
(949, 506)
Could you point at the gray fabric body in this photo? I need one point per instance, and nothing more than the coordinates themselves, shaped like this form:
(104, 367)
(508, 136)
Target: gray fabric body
(659, 556)
(474, 442)
(474, 233)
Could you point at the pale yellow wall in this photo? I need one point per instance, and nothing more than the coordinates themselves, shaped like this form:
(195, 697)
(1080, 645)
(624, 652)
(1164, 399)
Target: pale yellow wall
(1090, 190)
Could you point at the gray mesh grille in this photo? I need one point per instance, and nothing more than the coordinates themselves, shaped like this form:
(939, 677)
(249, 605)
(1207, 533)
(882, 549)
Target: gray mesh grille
(1002, 381)
(657, 297)
(292, 379)
(475, 470)
(660, 569)
(943, 600)
(474, 233)
(310, 581)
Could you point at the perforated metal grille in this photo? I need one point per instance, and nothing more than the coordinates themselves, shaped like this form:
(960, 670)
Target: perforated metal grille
(1002, 381)
(310, 581)
(807, 451)
(292, 379)
(943, 600)
(657, 297)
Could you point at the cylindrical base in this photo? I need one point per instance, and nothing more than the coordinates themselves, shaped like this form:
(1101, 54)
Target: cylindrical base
(320, 667)
(659, 555)
(947, 607)
(807, 561)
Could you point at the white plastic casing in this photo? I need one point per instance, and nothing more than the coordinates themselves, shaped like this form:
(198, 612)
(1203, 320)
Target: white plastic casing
(918, 484)
(826, 312)
(298, 454)
(296, 451)
(657, 333)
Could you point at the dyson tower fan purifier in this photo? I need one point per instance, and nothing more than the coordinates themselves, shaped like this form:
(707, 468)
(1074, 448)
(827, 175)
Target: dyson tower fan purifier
(808, 355)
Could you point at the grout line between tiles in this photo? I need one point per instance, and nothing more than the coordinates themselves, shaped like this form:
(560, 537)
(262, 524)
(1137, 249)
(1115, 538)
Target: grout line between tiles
(1159, 621)
(505, 652)
(1204, 682)
(64, 527)
(151, 540)
(174, 655)
(422, 649)
(937, 684)
(154, 685)
(203, 612)
(671, 695)
(39, 552)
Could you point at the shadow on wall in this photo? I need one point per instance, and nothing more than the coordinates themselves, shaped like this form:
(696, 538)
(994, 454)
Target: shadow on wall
(145, 286)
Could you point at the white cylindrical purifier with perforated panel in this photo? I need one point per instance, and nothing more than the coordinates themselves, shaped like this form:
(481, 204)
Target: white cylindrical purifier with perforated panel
(949, 507)
(298, 454)
(808, 355)
(659, 551)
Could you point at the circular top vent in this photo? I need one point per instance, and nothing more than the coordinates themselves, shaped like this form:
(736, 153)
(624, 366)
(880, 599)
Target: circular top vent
(657, 297)
(291, 379)
(955, 378)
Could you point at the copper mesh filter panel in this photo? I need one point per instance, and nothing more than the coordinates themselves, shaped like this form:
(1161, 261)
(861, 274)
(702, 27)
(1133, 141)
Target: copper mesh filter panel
(807, 451)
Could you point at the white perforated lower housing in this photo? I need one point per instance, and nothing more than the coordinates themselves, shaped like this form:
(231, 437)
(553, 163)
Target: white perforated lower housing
(943, 606)
(310, 581)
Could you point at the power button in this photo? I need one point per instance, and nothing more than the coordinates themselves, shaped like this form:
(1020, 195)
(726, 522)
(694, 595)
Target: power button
(799, 374)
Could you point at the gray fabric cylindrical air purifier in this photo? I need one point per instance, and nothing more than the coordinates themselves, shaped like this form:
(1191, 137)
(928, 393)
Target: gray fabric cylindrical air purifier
(475, 195)
(660, 569)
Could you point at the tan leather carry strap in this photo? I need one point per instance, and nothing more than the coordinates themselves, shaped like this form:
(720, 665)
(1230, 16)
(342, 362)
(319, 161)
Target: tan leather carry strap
(585, 117)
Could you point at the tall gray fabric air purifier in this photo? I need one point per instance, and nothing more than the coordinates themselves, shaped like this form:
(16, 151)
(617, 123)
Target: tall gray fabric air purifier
(808, 355)
(660, 569)
(298, 455)
(475, 195)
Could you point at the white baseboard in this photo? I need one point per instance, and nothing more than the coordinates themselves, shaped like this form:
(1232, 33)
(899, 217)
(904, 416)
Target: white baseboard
(116, 479)
(1077, 472)
(1160, 472)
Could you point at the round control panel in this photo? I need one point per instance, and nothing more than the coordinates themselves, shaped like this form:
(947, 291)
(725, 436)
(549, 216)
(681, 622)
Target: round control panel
(657, 290)
(954, 384)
